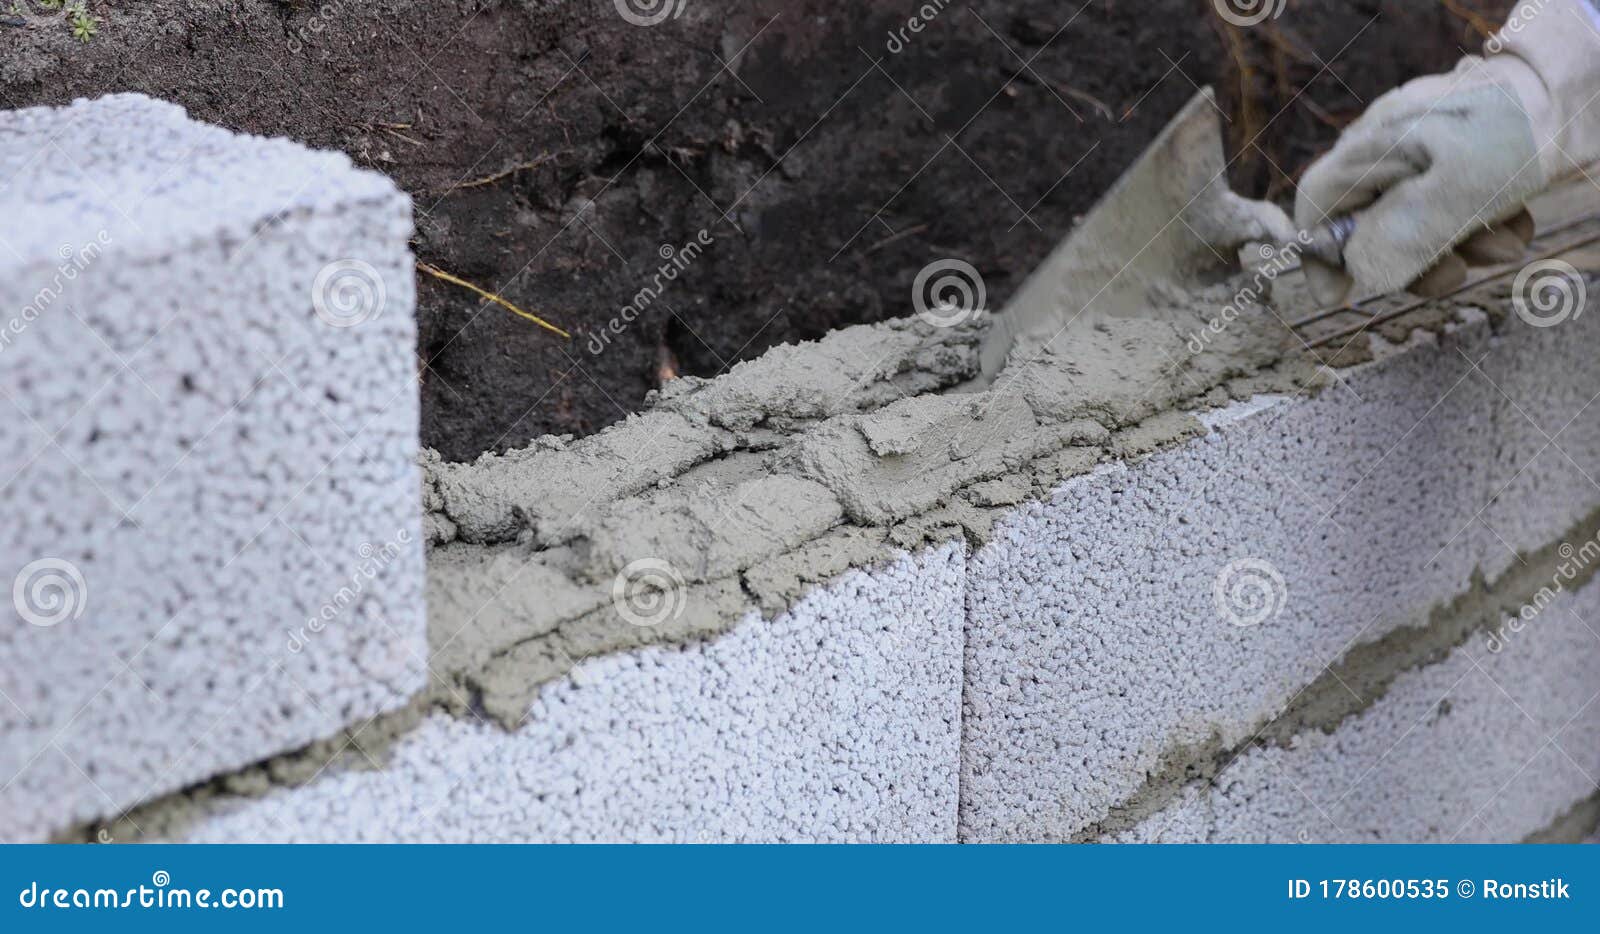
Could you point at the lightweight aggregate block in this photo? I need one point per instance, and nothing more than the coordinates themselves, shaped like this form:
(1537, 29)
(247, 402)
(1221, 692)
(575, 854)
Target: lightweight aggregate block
(1489, 745)
(212, 546)
(1547, 426)
(836, 721)
(1104, 640)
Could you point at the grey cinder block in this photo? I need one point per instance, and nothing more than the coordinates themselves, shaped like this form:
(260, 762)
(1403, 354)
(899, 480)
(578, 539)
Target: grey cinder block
(837, 721)
(211, 550)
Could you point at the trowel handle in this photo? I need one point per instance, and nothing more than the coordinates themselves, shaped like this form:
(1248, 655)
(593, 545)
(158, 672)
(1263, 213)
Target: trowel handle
(1328, 240)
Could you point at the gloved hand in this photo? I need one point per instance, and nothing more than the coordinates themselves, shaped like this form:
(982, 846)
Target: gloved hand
(1227, 221)
(1452, 159)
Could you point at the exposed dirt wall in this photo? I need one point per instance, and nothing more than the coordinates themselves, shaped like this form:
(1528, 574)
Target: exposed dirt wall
(838, 152)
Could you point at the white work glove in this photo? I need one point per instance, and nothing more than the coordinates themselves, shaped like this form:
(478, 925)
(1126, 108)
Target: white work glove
(1229, 222)
(1452, 159)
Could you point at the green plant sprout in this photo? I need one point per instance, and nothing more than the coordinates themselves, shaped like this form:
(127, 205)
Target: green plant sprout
(83, 24)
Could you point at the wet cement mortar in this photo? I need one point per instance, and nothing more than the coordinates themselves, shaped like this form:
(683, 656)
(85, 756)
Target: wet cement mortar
(817, 459)
(1578, 825)
(553, 149)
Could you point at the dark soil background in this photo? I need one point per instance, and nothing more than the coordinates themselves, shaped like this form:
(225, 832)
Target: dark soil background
(554, 150)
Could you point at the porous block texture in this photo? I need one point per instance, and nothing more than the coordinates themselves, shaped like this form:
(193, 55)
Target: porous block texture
(212, 549)
(1545, 462)
(1152, 613)
(1493, 743)
(836, 721)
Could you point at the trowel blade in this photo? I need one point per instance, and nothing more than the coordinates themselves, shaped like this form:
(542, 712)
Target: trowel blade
(1137, 238)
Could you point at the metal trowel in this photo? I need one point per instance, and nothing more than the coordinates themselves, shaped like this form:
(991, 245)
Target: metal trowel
(1170, 223)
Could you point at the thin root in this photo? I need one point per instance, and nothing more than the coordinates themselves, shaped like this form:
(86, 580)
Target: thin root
(455, 280)
(1479, 25)
(497, 176)
(909, 231)
(1087, 98)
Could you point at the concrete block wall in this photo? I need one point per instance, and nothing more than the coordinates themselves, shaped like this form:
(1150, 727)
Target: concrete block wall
(208, 442)
(1114, 598)
(1105, 694)
(1097, 657)
(838, 721)
(1497, 738)
(1389, 535)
